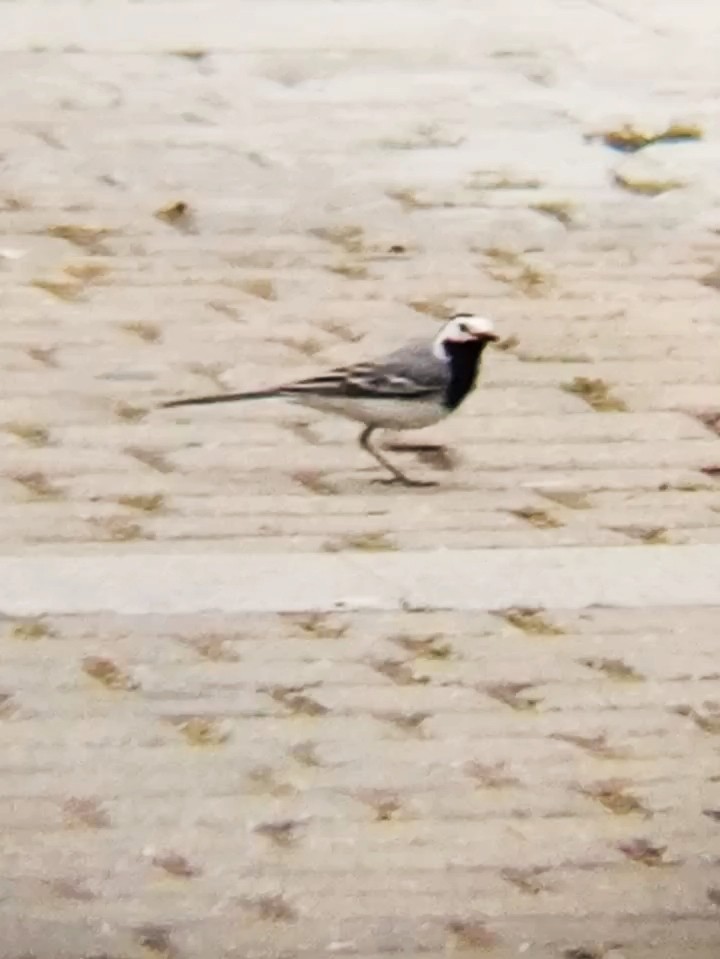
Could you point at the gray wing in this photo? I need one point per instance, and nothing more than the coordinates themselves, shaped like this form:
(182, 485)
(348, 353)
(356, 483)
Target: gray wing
(412, 372)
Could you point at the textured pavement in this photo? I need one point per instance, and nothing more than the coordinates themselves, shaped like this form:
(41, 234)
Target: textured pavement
(200, 196)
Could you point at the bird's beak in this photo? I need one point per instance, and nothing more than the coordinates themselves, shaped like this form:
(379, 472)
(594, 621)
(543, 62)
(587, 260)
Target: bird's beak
(489, 337)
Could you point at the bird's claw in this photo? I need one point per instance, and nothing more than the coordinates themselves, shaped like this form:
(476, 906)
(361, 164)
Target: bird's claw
(403, 481)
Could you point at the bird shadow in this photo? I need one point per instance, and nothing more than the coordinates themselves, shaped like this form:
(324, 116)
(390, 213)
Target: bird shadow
(429, 454)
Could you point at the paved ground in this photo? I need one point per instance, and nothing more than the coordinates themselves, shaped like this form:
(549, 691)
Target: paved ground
(196, 196)
(486, 580)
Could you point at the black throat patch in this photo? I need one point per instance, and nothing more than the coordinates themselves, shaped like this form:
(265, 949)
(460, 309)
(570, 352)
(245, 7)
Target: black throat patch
(464, 359)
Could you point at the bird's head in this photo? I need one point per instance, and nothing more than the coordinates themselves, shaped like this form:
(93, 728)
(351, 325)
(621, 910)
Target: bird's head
(464, 330)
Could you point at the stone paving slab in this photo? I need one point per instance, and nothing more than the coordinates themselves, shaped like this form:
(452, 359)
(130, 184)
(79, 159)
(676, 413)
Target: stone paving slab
(173, 584)
(364, 184)
(361, 783)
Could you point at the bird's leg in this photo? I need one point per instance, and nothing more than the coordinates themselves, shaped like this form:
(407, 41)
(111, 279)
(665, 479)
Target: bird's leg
(398, 475)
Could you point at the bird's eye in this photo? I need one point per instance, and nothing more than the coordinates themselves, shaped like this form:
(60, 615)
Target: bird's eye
(463, 328)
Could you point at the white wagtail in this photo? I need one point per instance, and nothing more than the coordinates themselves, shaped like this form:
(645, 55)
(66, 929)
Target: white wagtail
(413, 387)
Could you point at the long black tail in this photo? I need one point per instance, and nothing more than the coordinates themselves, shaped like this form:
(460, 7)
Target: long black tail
(220, 398)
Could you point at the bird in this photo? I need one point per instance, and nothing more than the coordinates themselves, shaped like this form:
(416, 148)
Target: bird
(415, 386)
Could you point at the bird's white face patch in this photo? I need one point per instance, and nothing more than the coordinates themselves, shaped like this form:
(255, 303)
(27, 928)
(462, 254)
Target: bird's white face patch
(463, 328)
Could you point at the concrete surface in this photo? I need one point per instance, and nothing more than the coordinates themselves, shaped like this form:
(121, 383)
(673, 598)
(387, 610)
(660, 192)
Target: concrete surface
(536, 782)
(473, 579)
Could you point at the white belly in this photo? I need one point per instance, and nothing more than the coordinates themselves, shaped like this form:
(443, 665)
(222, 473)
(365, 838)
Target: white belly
(384, 413)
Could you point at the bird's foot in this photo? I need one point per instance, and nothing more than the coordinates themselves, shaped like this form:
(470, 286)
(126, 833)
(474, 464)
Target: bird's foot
(404, 481)
(414, 447)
